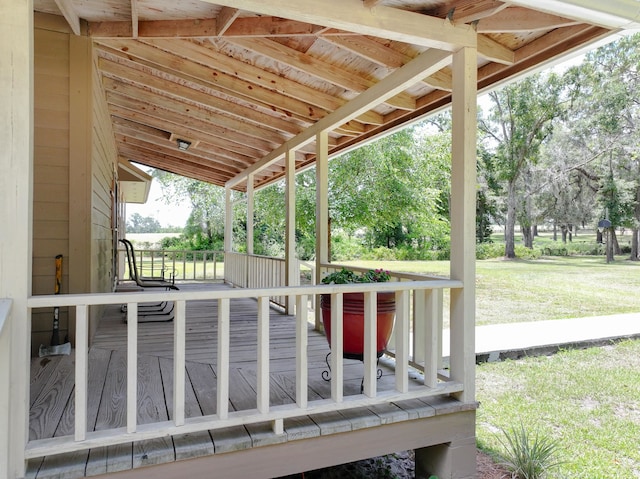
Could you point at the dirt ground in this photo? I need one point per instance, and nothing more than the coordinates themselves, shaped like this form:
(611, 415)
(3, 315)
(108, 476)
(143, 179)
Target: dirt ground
(396, 466)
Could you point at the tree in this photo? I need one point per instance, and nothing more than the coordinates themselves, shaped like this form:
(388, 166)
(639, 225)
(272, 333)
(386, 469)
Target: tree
(205, 226)
(520, 120)
(142, 224)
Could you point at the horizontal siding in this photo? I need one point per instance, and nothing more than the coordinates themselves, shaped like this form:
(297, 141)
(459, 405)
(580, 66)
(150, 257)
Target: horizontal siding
(51, 174)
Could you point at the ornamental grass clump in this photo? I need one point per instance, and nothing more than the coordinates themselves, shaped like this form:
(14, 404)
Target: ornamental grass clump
(527, 456)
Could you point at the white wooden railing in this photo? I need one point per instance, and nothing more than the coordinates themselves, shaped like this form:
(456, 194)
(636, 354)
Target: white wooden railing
(434, 382)
(255, 271)
(184, 265)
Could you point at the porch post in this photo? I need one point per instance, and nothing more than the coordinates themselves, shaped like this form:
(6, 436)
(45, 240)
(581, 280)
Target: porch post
(292, 276)
(463, 201)
(16, 187)
(322, 209)
(250, 205)
(228, 232)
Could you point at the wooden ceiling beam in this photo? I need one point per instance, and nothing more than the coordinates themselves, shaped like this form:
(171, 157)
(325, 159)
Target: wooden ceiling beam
(519, 19)
(425, 64)
(189, 93)
(185, 126)
(225, 19)
(271, 27)
(281, 108)
(134, 18)
(68, 12)
(378, 21)
(311, 98)
(187, 100)
(179, 111)
(318, 68)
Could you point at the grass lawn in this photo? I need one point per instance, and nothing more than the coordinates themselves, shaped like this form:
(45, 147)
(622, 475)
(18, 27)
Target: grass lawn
(588, 400)
(548, 288)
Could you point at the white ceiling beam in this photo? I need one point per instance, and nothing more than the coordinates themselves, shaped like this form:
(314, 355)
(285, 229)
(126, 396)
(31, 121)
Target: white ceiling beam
(378, 21)
(70, 15)
(610, 13)
(423, 65)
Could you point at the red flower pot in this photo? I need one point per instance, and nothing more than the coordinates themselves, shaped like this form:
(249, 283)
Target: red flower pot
(353, 321)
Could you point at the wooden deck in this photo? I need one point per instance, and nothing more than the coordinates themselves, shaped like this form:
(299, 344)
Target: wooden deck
(52, 384)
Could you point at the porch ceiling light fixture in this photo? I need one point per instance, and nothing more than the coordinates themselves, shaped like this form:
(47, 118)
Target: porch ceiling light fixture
(183, 145)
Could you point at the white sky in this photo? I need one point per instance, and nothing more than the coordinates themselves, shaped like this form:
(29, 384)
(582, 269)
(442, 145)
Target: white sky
(168, 215)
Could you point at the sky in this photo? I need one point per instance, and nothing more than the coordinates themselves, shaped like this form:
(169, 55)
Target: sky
(167, 215)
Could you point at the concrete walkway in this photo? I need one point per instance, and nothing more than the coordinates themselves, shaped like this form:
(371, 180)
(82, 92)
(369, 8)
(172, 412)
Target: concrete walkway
(515, 340)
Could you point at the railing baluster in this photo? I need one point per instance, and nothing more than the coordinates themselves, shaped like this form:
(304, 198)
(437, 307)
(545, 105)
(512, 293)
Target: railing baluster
(402, 341)
(82, 363)
(420, 317)
(223, 358)
(302, 341)
(132, 366)
(179, 358)
(370, 343)
(430, 341)
(337, 373)
(263, 354)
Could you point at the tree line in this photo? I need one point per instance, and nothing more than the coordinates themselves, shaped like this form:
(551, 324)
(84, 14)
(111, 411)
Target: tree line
(555, 149)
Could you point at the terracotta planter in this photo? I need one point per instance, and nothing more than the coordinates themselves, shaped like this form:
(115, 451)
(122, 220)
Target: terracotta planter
(353, 320)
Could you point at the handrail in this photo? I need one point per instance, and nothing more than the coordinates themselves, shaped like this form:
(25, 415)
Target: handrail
(434, 382)
(209, 268)
(94, 299)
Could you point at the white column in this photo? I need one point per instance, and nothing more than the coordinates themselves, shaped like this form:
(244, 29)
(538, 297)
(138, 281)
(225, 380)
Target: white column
(250, 205)
(291, 270)
(16, 188)
(228, 221)
(463, 210)
(322, 209)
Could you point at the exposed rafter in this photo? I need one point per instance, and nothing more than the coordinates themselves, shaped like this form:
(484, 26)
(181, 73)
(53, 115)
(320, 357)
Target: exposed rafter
(68, 11)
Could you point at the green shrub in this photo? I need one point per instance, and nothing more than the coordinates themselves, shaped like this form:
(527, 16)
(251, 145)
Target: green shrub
(489, 250)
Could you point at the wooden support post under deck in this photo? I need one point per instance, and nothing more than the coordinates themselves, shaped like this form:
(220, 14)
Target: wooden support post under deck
(290, 235)
(16, 186)
(463, 201)
(322, 209)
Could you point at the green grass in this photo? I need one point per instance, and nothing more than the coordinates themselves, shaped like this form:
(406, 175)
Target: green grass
(587, 400)
(549, 288)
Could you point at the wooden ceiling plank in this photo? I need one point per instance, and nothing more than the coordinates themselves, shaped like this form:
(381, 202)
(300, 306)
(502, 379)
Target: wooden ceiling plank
(285, 107)
(155, 101)
(262, 78)
(211, 101)
(383, 55)
(370, 49)
(466, 11)
(136, 111)
(130, 129)
(494, 51)
(425, 64)
(153, 149)
(178, 93)
(225, 107)
(225, 19)
(519, 19)
(317, 68)
(379, 21)
(68, 12)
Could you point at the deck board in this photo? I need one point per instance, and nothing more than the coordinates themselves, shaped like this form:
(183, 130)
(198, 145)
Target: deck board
(52, 385)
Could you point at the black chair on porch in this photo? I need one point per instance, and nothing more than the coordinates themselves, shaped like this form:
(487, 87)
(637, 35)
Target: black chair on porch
(162, 311)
